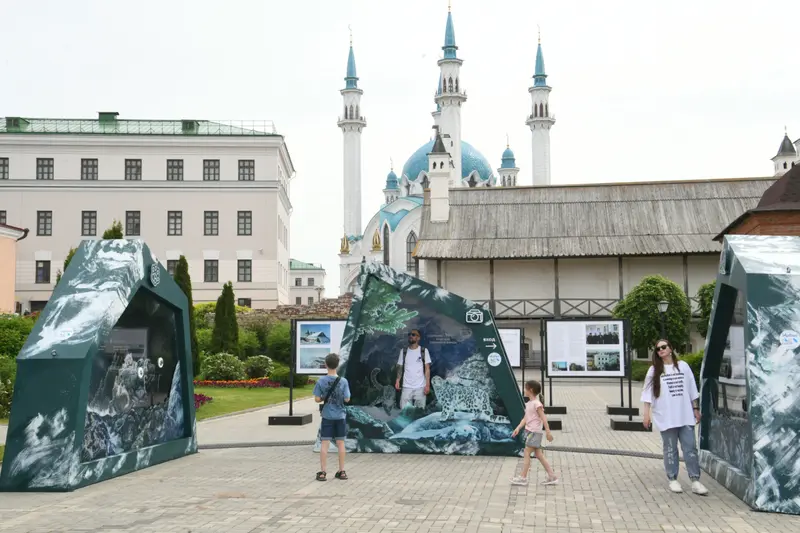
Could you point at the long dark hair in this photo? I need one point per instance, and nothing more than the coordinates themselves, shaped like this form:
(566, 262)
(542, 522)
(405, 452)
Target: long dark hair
(658, 366)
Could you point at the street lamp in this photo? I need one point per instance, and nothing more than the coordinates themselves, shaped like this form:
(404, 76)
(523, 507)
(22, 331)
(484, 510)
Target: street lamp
(663, 305)
(319, 293)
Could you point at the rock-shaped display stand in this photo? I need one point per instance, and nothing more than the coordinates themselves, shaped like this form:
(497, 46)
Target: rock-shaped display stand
(104, 380)
(474, 402)
(750, 380)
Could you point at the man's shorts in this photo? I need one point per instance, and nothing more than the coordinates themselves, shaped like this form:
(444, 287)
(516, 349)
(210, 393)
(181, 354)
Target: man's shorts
(333, 429)
(414, 396)
(533, 440)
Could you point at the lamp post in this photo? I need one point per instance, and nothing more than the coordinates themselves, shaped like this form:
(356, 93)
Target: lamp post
(663, 305)
(319, 293)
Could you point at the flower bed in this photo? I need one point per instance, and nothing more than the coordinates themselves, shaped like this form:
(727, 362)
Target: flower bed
(239, 384)
(201, 399)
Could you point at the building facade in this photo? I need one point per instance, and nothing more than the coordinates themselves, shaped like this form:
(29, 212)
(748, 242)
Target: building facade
(307, 282)
(215, 193)
(9, 237)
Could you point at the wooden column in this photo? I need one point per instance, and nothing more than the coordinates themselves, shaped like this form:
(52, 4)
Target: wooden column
(688, 300)
(438, 272)
(491, 286)
(557, 300)
(620, 275)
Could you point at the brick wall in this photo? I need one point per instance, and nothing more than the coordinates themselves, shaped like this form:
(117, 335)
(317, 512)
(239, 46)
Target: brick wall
(778, 223)
(334, 308)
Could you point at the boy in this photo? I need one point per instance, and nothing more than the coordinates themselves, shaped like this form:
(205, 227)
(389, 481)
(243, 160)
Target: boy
(333, 391)
(533, 421)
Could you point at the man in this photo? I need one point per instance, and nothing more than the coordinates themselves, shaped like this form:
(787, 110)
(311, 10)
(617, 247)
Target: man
(414, 372)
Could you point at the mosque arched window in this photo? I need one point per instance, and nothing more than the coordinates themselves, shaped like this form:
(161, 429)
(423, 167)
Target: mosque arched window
(351, 112)
(345, 112)
(785, 165)
(456, 84)
(541, 110)
(386, 244)
(547, 110)
(535, 111)
(411, 245)
(450, 85)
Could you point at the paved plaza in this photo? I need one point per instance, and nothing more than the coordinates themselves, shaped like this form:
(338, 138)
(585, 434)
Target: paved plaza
(262, 484)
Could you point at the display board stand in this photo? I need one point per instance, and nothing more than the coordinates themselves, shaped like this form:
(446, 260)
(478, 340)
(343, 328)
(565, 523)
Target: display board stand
(291, 419)
(549, 408)
(630, 424)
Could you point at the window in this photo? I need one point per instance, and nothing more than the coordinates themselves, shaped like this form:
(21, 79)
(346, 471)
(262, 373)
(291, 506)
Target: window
(133, 169)
(386, 244)
(210, 169)
(211, 225)
(245, 270)
(411, 245)
(244, 302)
(44, 223)
(298, 282)
(310, 300)
(42, 271)
(174, 169)
(3, 168)
(172, 264)
(174, 222)
(211, 271)
(247, 170)
(133, 223)
(88, 223)
(2, 217)
(44, 168)
(88, 169)
(245, 223)
(298, 301)
(310, 282)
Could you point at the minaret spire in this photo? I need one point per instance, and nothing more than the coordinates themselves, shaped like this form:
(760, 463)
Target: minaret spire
(540, 120)
(450, 97)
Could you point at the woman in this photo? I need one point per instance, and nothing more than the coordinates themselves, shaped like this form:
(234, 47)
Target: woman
(671, 390)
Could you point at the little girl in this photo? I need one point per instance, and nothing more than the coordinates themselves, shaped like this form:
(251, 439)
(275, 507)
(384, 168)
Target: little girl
(533, 422)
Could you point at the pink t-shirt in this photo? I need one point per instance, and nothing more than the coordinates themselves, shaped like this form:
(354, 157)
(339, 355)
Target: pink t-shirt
(533, 423)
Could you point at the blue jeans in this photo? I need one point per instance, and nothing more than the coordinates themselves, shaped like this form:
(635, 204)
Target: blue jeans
(670, 440)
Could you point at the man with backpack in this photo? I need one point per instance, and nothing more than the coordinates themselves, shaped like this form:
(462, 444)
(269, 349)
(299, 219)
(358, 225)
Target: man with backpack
(414, 372)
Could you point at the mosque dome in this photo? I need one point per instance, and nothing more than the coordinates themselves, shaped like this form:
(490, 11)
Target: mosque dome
(471, 159)
(508, 160)
(391, 181)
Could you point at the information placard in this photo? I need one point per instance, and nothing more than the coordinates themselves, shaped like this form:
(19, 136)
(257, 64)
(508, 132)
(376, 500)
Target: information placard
(511, 339)
(314, 339)
(585, 348)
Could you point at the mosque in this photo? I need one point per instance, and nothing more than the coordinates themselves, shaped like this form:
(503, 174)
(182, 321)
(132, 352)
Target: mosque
(391, 234)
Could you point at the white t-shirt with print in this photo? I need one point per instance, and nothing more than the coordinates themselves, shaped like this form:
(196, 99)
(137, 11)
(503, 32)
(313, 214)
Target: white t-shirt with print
(414, 371)
(673, 408)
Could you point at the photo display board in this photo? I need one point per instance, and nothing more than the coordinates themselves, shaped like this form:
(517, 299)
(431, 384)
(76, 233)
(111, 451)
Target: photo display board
(591, 348)
(315, 339)
(512, 340)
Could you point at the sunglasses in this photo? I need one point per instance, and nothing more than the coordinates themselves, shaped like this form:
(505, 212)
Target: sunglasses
(413, 335)
(662, 347)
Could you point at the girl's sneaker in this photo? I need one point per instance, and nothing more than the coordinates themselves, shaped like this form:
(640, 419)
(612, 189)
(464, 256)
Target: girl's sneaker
(517, 480)
(550, 481)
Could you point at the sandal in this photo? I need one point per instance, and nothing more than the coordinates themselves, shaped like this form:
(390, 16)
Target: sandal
(322, 476)
(341, 474)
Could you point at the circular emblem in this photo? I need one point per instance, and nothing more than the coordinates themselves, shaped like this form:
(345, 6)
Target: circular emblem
(790, 338)
(155, 274)
(160, 362)
(494, 359)
(140, 372)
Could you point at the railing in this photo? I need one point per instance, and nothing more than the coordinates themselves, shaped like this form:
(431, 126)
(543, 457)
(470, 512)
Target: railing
(566, 307)
(694, 304)
(587, 307)
(122, 126)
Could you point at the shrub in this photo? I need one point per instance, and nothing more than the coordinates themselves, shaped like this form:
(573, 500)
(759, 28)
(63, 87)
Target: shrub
(258, 366)
(14, 330)
(222, 366)
(184, 281)
(259, 323)
(204, 340)
(201, 399)
(705, 297)
(225, 336)
(279, 343)
(695, 361)
(248, 344)
(114, 231)
(8, 374)
(204, 313)
(262, 383)
(640, 308)
(70, 254)
(281, 375)
(639, 370)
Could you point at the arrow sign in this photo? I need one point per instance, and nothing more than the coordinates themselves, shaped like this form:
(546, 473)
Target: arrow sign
(491, 345)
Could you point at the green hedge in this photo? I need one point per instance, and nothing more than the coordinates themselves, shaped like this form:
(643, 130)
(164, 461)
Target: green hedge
(281, 374)
(694, 360)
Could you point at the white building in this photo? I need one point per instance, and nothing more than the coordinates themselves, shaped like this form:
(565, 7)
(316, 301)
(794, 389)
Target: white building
(307, 282)
(788, 155)
(215, 193)
(391, 235)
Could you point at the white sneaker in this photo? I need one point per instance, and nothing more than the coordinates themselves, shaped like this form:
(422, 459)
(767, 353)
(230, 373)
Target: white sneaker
(698, 488)
(675, 486)
(550, 481)
(517, 480)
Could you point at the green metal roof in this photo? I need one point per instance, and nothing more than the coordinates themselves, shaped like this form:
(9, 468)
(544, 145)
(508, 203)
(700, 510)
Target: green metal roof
(108, 124)
(294, 264)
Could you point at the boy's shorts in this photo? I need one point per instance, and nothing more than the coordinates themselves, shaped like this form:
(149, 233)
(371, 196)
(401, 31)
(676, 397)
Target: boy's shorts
(533, 440)
(333, 429)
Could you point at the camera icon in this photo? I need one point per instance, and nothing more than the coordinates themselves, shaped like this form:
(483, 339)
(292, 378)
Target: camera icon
(474, 316)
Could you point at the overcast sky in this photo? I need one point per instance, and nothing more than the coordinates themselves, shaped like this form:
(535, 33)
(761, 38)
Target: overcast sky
(641, 90)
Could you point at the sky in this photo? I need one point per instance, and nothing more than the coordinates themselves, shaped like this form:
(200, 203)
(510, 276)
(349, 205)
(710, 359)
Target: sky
(642, 91)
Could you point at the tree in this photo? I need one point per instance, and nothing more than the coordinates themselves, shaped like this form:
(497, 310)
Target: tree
(184, 281)
(379, 311)
(640, 308)
(225, 337)
(66, 263)
(279, 343)
(705, 297)
(115, 231)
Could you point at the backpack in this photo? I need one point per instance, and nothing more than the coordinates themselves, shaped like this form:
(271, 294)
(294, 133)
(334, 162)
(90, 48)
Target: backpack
(422, 350)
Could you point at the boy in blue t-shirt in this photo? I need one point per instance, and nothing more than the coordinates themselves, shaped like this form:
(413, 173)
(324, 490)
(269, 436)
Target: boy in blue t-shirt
(334, 391)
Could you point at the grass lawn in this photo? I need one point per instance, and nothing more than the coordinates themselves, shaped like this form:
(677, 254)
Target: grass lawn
(2, 449)
(227, 401)
(4, 421)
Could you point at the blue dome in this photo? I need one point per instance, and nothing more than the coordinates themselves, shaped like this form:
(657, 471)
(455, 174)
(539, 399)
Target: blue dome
(471, 159)
(391, 181)
(508, 160)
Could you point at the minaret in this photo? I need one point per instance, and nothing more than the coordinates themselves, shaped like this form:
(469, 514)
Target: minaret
(352, 123)
(540, 122)
(786, 157)
(392, 190)
(437, 115)
(508, 168)
(440, 165)
(450, 97)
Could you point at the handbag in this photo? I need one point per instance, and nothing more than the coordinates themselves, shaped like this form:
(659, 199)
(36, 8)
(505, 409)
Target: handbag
(330, 391)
